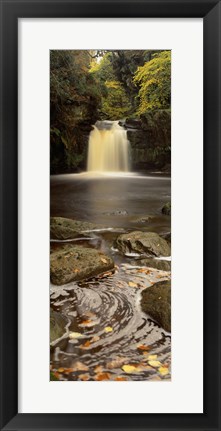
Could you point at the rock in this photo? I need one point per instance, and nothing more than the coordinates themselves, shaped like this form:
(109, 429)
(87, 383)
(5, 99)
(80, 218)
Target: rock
(148, 243)
(77, 263)
(163, 265)
(166, 236)
(167, 209)
(57, 325)
(117, 213)
(156, 301)
(144, 219)
(64, 228)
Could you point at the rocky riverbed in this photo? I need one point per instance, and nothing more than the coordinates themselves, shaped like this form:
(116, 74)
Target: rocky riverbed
(110, 302)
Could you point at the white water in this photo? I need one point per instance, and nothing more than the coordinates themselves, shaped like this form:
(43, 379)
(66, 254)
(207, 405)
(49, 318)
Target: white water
(108, 150)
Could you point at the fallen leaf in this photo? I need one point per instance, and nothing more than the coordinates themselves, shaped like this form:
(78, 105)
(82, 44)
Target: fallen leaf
(163, 371)
(75, 335)
(152, 357)
(60, 370)
(154, 363)
(102, 376)
(88, 323)
(130, 369)
(120, 379)
(76, 270)
(143, 347)
(108, 329)
(85, 345)
(79, 366)
(103, 260)
(132, 284)
(117, 362)
(95, 338)
(84, 377)
(98, 369)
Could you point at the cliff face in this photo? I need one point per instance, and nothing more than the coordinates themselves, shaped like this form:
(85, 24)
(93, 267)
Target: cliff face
(150, 141)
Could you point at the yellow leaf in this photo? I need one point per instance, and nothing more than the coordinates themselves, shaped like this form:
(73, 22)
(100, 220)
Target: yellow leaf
(132, 284)
(152, 357)
(75, 335)
(103, 260)
(129, 369)
(108, 329)
(154, 363)
(163, 371)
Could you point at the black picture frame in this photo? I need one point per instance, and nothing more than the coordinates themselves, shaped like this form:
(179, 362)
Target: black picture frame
(11, 11)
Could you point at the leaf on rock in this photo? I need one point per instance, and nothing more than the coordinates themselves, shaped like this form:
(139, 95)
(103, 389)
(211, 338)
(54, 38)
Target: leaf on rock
(103, 260)
(95, 338)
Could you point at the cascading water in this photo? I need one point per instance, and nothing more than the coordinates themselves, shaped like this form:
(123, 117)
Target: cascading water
(108, 149)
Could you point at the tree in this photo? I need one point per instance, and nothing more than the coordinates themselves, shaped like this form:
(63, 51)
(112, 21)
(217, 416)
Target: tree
(154, 81)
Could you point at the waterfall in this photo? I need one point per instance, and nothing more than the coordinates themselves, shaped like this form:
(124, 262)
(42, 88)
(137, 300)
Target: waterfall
(108, 148)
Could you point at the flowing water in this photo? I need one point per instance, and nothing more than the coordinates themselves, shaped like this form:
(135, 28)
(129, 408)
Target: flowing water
(106, 311)
(108, 149)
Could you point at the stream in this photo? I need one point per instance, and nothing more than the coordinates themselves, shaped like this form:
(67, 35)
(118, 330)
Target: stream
(106, 335)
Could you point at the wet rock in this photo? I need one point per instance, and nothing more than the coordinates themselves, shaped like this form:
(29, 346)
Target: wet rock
(166, 236)
(163, 265)
(167, 209)
(117, 213)
(144, 219)
(57, 325)
(77, 263)
(148, 243)
(64, 228)
(156, 301)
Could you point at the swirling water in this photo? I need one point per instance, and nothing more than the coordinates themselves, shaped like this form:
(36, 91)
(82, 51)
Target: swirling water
(107, 336)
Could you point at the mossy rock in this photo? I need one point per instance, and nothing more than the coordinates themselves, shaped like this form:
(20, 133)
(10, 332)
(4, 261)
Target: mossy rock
(57, 325)
(149, 243)
(62, 228)
(75, 263)
(163, 265)
(167, 209)
(156, 302)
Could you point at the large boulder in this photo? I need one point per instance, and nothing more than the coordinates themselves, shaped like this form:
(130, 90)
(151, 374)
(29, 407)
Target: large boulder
(64, 228)
(76, 263)
(148, 243)
(57, 325)
(156, 302)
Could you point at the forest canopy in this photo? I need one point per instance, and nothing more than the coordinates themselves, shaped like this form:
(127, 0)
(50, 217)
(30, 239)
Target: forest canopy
(86, 86)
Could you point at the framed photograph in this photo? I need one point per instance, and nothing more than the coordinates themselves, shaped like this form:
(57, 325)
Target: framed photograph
(110, 238)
